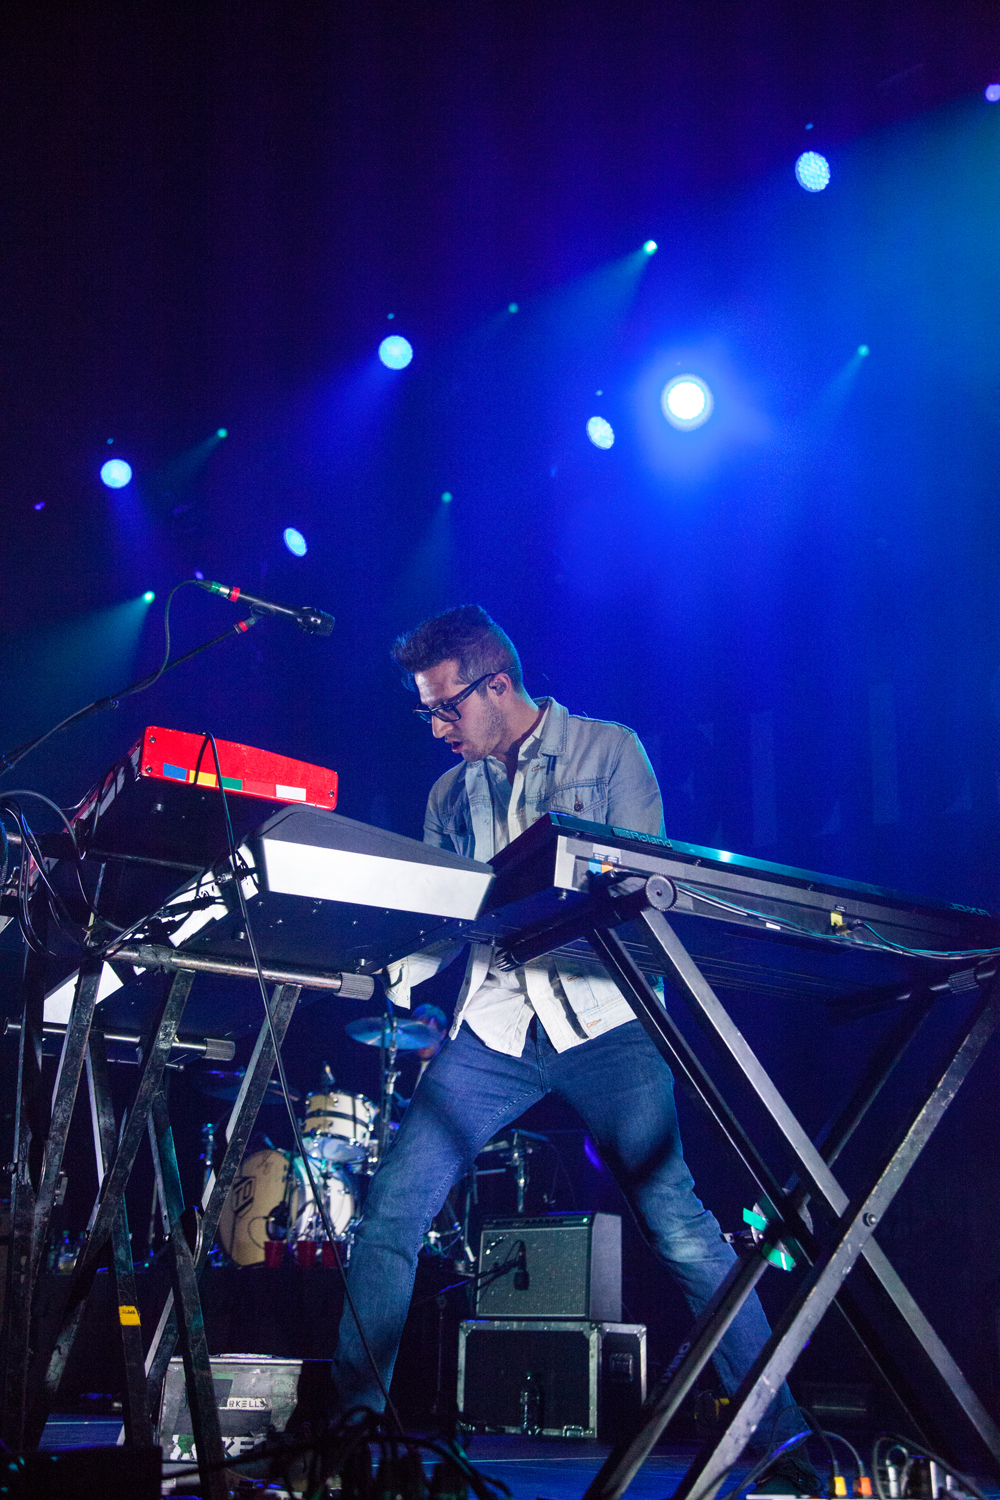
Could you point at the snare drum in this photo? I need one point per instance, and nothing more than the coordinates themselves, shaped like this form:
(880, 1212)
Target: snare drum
(337, 1127)
(266, 1181)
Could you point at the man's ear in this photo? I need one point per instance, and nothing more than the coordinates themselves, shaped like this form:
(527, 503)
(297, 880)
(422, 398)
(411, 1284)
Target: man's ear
(501, 683)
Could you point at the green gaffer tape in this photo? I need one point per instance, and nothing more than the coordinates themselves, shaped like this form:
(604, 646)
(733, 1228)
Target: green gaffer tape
(779, 1256)
(233, 783)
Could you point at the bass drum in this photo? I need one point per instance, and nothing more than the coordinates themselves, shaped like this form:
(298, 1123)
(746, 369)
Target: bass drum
(273, 1183)
(258, 1190)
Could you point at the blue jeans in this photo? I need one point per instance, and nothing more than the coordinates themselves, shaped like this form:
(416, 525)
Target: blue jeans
(623, 1089)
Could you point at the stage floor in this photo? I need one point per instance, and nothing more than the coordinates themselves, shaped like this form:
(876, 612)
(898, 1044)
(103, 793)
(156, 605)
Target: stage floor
(532, 1468)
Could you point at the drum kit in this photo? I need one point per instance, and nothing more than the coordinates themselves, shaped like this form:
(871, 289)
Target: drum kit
(272, 1208)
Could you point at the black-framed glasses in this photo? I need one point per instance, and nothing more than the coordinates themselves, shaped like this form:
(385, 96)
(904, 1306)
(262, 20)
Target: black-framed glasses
(448, 710)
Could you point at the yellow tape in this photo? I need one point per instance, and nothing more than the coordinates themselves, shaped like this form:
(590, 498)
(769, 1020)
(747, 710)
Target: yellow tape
(129, 1316)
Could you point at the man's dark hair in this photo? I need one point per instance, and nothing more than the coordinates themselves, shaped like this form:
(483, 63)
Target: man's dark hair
(466, 635)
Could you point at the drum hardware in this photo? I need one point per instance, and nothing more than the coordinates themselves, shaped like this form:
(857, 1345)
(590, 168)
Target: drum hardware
(521, 1145)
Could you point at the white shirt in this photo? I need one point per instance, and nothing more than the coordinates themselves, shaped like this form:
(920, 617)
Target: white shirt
(592, 768)
(500, 1010)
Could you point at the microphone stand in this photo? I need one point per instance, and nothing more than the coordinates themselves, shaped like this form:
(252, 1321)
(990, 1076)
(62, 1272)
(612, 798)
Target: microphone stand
(10, 760)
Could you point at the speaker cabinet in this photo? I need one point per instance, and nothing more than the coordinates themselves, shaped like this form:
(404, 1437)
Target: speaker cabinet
(559, 1266)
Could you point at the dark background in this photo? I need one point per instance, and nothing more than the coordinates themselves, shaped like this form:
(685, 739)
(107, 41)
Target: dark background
(209, 213)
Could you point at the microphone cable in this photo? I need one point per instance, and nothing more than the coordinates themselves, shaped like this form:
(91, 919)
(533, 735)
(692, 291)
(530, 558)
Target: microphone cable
(328, 1230)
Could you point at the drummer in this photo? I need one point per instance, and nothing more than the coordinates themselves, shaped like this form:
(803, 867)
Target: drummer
(434, 1017)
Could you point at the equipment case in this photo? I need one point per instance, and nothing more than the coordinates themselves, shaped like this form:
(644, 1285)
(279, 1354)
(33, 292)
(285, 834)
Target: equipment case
(553, 1379)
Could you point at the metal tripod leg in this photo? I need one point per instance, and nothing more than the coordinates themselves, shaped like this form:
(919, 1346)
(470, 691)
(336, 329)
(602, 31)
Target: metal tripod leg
(809, 1162)
(136, 1411)
(30, 1128)
(42, 1128)
(241, 1122)
(52, 1360)
(853, 1231)
(624, 1461)
(191, 1323)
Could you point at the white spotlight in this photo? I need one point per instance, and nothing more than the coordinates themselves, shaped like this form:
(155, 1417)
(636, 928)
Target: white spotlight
(686, 401)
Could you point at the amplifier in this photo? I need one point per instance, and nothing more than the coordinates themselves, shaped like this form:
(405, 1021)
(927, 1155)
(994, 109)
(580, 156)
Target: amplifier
(559, 1379)
(255, 1396)
(559, 1266)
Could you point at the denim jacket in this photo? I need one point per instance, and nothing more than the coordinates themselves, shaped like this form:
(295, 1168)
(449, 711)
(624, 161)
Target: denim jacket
(588, 767)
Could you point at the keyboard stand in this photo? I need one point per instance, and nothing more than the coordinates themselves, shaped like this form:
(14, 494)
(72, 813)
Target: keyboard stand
(846, 1240)
(30, 1367)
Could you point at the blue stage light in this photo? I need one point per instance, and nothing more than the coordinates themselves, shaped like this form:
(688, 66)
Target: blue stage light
(116, 473)
(447, 497)
(812, 171)
(148, 597)
(294, 541)
(993, 93)
(686, 401)
(650, 247)
(222, 432)
(601, 433)
(395, 352)
(863, 351)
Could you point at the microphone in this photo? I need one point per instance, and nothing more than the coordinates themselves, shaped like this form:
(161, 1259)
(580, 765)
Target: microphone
(521, 1278)
(312, 621)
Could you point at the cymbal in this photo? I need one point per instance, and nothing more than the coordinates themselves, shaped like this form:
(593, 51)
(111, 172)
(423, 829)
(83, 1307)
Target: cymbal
(410, 1035)
(227, 1086)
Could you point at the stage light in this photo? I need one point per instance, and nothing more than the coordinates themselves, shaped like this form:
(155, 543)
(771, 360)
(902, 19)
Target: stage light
(992, 93)
(148, 597)
(812, 171)
(686, 401)
(116, 473)
(650, 247)
(601, 433)
(38, 505)
(199, 575)
(863, 351)
(294, 541)
(395, 352)
(221, 432)
(447, 497)
(512, 307)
